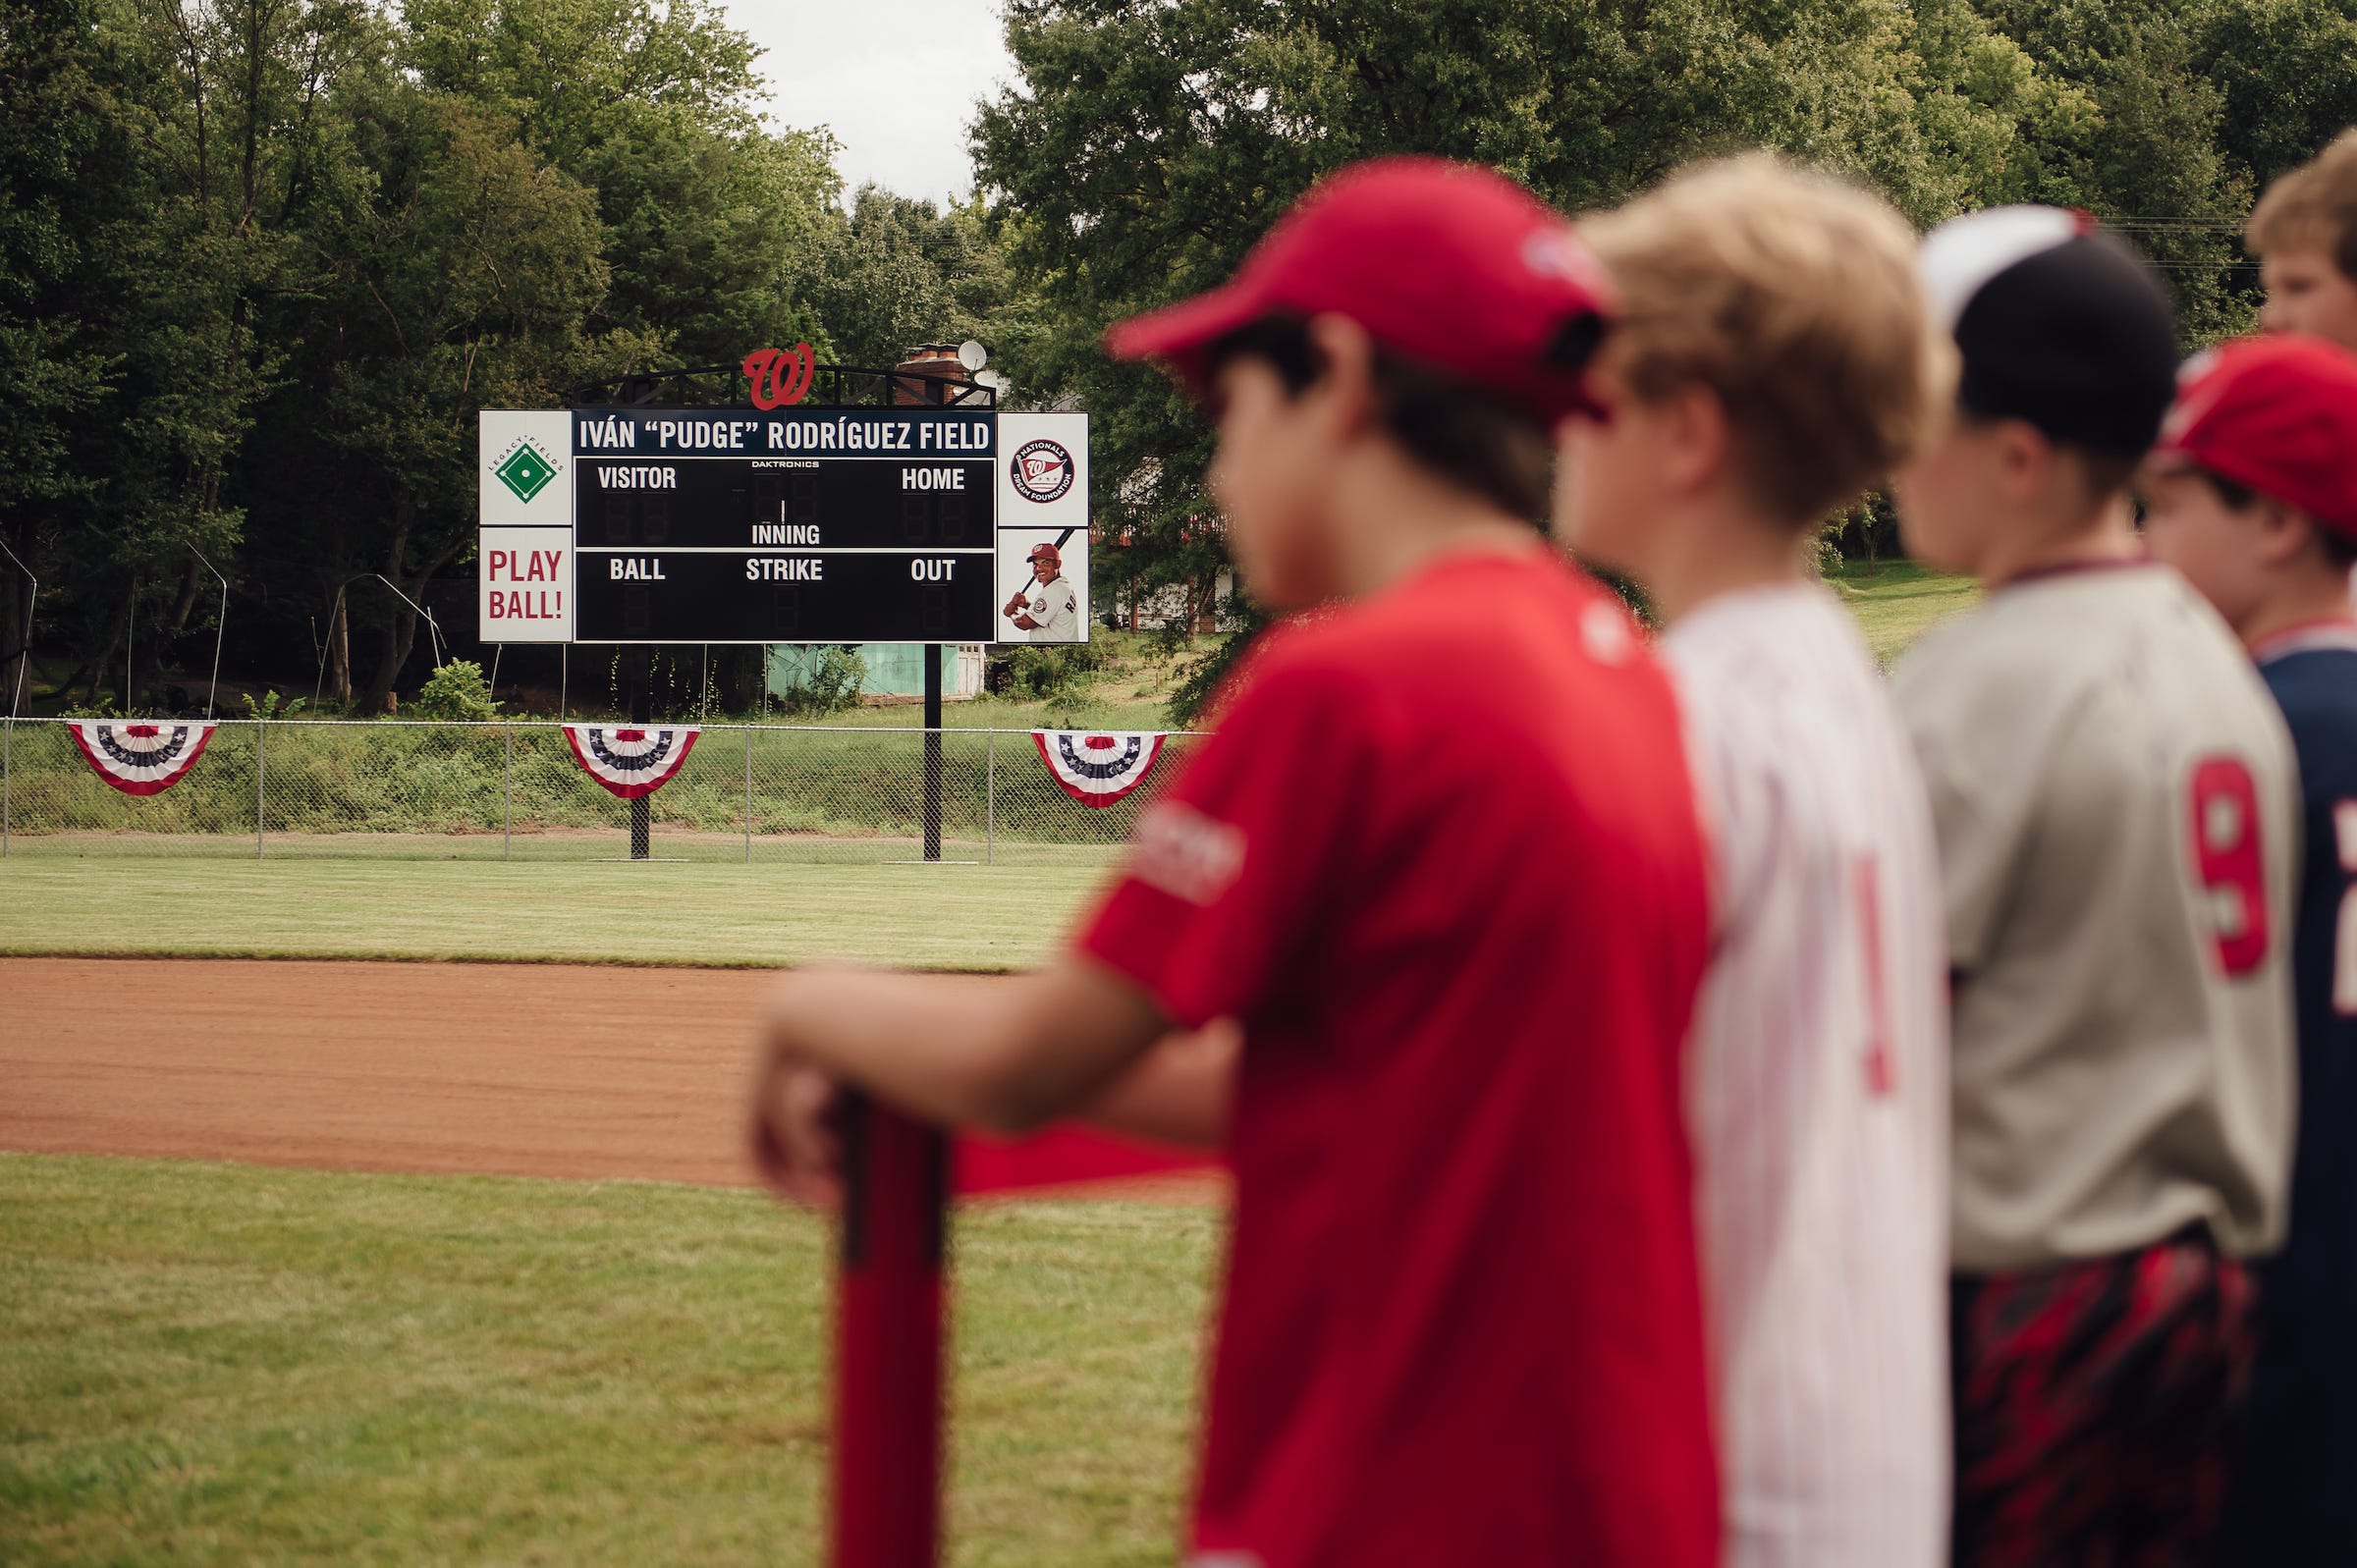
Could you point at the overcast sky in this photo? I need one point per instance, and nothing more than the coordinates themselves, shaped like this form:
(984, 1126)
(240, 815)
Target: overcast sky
(896, 81)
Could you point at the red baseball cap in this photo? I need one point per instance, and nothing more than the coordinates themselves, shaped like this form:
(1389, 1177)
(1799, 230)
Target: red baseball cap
(1043, 551)
(1446, 263)
(2277, 414)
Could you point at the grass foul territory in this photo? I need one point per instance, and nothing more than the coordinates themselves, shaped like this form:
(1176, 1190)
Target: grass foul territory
(983, 918)
(213, 1365)
(1897, 602)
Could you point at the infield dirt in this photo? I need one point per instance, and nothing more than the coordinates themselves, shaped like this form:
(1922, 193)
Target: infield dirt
(578, 1071)
(532, 1070)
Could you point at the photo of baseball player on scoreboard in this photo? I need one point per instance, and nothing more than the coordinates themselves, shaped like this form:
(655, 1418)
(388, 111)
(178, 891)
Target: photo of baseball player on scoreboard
(1043, 578)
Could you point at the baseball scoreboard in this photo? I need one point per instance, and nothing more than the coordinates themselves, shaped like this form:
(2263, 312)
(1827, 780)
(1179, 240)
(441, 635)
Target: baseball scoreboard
(801, 524)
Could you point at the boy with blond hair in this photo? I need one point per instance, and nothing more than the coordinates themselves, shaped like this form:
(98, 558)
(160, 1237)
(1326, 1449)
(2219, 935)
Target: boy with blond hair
(2252, 494)
(1440, 859)
(2304, 232)
(1774, 360)
(2116, 802)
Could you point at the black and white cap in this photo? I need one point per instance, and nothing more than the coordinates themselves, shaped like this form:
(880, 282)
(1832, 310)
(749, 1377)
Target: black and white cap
(2058, 324)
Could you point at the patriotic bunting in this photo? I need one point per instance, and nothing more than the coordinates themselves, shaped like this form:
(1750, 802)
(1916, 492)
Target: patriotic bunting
(630, 762)
(139, 758)
(1097, 770)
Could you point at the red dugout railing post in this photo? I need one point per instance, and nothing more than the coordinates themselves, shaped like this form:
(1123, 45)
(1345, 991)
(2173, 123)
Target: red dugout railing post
(888, 1340)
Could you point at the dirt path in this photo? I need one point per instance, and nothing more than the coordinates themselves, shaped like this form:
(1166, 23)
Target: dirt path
(507, 1069)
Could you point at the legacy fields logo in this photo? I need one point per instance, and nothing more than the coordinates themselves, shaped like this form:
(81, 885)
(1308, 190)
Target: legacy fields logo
(526, 469)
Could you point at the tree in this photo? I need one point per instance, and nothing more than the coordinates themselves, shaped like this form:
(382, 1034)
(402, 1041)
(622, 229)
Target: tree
(710, 220)
(900, 272)
(2151, 160)
(2286, 71)
(1150, 144)
(456, 271)
(206, 130)
(51, 373)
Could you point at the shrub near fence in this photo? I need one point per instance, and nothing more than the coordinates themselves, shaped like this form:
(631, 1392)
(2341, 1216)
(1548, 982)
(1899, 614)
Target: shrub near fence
(432, 790)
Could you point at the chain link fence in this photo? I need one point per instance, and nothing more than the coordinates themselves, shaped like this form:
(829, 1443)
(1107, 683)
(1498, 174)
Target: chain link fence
(295, 788)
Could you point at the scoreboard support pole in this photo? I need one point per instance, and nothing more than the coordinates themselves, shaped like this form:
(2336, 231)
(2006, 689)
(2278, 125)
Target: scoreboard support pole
(888, 1340)
(643, 711)
(932, 750)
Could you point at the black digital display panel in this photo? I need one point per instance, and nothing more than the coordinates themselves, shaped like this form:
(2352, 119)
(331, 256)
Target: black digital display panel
(810, 502)
(783, 596)
(819, 526)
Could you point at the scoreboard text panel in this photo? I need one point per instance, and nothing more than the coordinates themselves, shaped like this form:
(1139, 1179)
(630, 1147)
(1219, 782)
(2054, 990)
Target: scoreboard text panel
(728, 526)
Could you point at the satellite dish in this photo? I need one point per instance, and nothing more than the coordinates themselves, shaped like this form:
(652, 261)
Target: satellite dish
(973, 355)
(991, 379)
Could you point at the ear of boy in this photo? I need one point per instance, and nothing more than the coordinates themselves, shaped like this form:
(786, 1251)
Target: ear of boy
(2303, 578)
(1999, 498)
(2291, 541)
(1698, 442)
(1662, 495)
(1322, 502)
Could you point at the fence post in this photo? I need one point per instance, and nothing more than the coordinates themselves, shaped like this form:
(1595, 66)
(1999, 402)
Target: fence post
(507, 798)
(748, 795)
(8, 737)
(990, 805)
(258, 726)
(643, 808)
(932, 750)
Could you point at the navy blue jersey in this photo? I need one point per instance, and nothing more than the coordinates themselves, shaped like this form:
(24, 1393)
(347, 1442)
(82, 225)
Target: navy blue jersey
(2295, 1498)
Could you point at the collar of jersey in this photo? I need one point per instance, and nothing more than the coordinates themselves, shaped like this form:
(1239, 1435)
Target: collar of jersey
(2071, 569)
(2331, 634)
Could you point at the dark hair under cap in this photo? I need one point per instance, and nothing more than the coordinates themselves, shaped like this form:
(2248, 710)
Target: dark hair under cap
(2079, 340)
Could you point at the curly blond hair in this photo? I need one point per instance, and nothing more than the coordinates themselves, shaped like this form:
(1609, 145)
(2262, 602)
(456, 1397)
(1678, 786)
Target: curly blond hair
(1792, 296)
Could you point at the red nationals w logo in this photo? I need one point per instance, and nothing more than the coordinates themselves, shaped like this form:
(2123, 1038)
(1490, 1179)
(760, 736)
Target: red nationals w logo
(779, 376)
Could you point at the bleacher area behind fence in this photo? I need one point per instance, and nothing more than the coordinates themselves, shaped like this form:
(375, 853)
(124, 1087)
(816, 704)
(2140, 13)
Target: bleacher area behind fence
(291, 788)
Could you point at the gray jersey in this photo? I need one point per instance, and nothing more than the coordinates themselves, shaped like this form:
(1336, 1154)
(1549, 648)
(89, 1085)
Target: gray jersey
(2116, 806)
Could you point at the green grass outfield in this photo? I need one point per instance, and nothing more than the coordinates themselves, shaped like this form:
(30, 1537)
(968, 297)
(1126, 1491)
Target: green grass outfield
(916, 916)
(1898, 601)
(215, 1364)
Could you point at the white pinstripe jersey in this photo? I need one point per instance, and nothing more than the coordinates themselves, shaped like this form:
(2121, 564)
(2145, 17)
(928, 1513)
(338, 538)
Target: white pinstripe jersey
(1816, 1092)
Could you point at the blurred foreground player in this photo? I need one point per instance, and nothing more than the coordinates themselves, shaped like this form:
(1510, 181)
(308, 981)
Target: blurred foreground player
(1772, 361)
(2253, 496)
(1440, 860)
(2114, 795)
(2304, 232)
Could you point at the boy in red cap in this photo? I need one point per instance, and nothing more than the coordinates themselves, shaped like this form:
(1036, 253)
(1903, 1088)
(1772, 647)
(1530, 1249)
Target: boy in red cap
(1441, 859)
(2252, 494)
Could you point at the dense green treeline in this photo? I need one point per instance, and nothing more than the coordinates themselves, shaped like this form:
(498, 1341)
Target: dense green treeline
(262, 260)
(1150, 143)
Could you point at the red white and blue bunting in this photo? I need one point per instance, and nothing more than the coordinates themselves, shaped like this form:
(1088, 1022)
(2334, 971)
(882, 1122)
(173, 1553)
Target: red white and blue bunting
(1094, 768)
(630, 762)
(140, 758)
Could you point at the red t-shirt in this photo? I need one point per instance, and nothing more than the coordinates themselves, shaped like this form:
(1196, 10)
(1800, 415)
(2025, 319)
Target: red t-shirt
(1442, 858)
